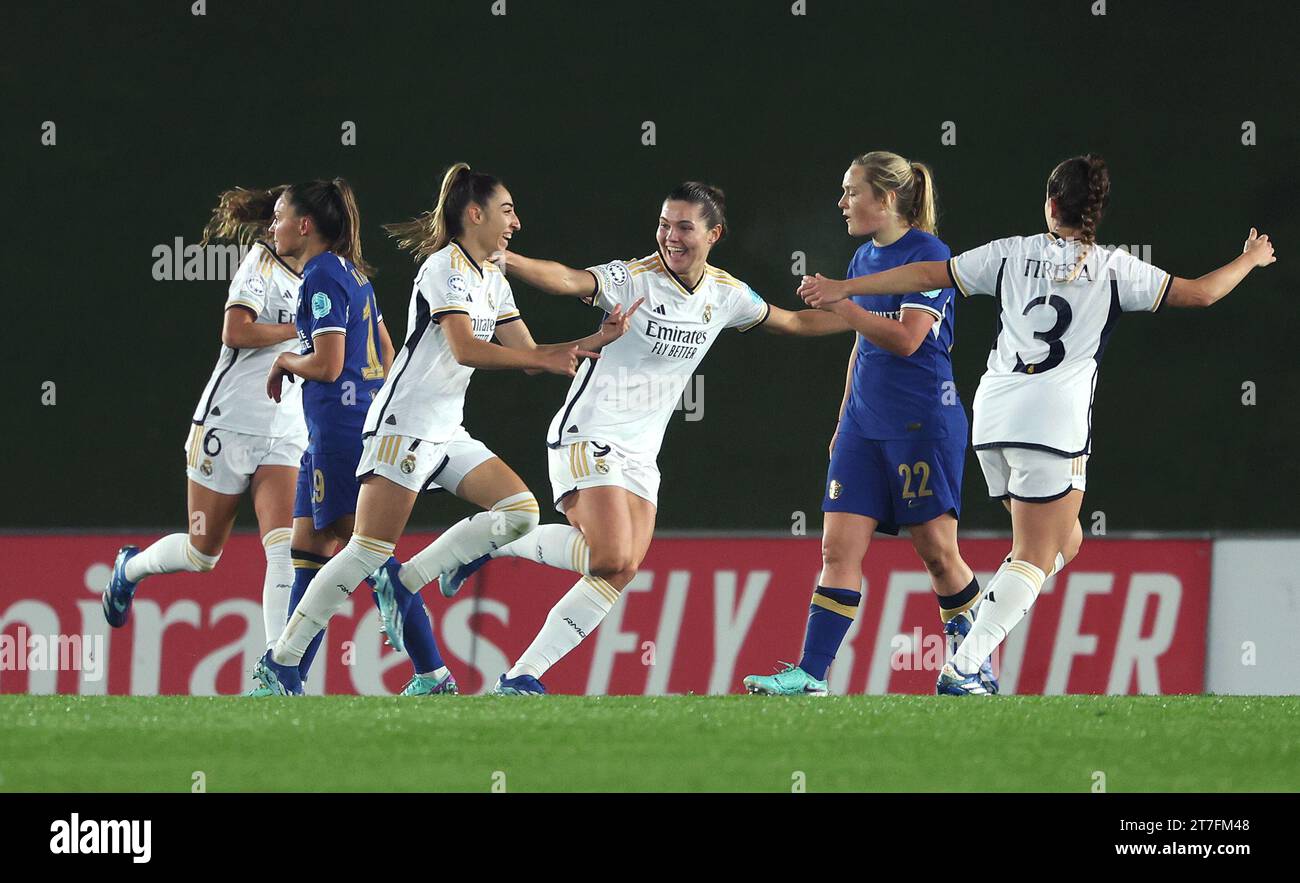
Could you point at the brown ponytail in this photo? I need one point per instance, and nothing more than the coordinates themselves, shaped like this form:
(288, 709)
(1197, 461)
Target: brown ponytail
(242, 214)
(432, 230)
(332, 207)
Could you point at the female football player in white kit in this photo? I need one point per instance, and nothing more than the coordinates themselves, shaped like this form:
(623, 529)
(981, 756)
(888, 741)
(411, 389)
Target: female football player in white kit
(239, 440)
(1060, 296)
(414, 440)
(604, 440)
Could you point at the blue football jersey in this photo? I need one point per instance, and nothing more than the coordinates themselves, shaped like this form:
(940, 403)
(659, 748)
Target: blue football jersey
(336, 297)
(892, 397)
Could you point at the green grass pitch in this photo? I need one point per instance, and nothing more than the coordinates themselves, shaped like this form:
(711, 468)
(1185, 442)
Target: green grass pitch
(633, 743)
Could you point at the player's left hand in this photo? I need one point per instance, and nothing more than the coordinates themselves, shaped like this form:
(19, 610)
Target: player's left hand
(818, 291)
(275, 380)
(616, 323)
(500, 258)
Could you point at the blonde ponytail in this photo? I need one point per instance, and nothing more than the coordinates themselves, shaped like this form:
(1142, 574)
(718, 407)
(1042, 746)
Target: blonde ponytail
(912, 184)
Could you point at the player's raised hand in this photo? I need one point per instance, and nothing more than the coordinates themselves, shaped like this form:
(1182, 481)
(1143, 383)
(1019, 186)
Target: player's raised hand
(564, 360)
(1259, 248)
(818, 291)
(617, 322)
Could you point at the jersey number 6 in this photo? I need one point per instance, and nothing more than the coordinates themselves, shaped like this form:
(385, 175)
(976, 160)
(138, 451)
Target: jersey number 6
(1052, 336)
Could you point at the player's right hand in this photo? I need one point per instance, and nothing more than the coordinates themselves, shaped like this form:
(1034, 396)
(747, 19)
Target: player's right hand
(1259, 248)
(564, 360)
(818, 291)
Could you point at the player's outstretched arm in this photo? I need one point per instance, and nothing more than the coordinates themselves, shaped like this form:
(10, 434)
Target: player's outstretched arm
(516, 335)
(818, 291)
(902, 336)
(549, 276)
(803, 323)
(471, 352)
(1205, 290)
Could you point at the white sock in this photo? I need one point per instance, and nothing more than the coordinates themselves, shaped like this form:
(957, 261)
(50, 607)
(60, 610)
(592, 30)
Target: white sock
(332, 585)
(574, 617)
(435, 674)
(471, 538)
(277, 583)
(1059, 565)
(172, 554)
(1006, 601)
(558, 545)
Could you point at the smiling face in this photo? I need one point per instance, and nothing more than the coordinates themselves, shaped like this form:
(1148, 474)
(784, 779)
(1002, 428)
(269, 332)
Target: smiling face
(288, 229)
(684, 236)
(494, 224)
(863, 211)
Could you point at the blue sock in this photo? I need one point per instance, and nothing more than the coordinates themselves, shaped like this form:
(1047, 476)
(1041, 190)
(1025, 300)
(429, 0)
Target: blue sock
(829, 618)
(305, 567)
(421, 646)
(953, 605)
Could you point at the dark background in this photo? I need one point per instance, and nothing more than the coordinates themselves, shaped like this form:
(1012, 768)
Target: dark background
(159, 110)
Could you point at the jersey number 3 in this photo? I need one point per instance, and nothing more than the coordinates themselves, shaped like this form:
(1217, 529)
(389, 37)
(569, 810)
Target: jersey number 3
(1052, 336)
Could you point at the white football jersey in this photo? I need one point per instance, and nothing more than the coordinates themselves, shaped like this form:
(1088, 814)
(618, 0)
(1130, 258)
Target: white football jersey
(628, 395)
(1037, 391)
(424, 394)
(235, 397)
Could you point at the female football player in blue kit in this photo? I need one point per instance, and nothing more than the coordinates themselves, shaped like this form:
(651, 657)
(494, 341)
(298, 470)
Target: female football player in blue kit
(897, 455)
(346, 352)
(1059, 297)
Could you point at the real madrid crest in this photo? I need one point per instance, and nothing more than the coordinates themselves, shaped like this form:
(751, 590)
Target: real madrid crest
(836, 489)
(708, 313)
(206, 468)
(408, 465)
(601, 466)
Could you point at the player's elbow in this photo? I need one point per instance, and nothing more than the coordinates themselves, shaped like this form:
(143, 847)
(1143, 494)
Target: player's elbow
(332, 370)
(1191, 294)
(235, 336)
(905, 345)
(462, 356)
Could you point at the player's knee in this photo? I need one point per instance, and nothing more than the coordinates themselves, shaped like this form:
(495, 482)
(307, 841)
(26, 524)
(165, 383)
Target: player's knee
(612, 562)
(515, 516)
(201, 562)
(938, 557)
(841, 555)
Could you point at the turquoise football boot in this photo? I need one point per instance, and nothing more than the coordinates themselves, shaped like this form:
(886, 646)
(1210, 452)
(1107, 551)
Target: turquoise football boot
(789, 681)
(428, 685)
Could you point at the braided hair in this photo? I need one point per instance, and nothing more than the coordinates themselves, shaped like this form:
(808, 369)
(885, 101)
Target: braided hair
(1080, 189)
